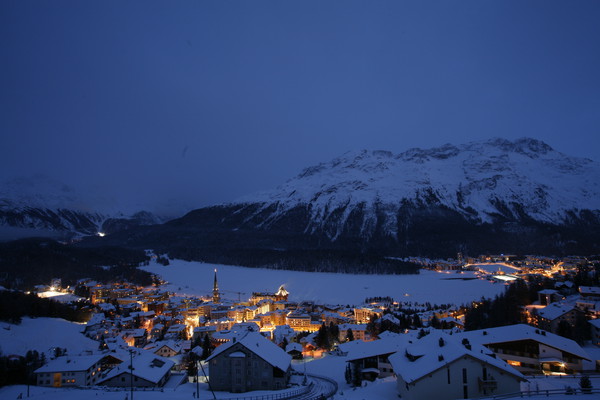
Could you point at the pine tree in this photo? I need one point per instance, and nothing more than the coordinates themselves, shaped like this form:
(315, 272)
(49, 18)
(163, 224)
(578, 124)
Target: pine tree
(349, 336)
(206, 348)
(585, 384)
(348, 374)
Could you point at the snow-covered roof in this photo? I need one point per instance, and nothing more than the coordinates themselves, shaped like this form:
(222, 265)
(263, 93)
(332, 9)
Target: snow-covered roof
(172, 344)
(513, 333)
(146, 365)
(293, 347)
(437, 350)
(69, 363)
(261, 346)
(96, 318)
(554, 310)
(595, 323)
(390, 318)
(354, 327)
(589, 290)
(377, 347)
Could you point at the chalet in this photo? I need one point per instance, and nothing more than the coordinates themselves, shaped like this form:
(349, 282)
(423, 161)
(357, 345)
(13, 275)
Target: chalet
(70, 371)
(439, 366)
(165, 348)
(149, 370)
(295, 350)
(369, 360)
(530, 350)
(249, 362)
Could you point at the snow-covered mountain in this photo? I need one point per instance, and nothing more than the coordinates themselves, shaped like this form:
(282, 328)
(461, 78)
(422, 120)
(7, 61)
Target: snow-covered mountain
(489, 181)
(482, 197)
(41, 205)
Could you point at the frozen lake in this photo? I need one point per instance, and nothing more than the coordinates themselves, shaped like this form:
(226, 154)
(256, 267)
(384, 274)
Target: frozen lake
(196, 278)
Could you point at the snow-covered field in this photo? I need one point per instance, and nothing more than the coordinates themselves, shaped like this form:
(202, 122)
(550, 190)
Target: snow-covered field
(437, 288)
(42, 334)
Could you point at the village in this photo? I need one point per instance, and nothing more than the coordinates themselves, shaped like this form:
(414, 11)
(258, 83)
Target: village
(151, 338)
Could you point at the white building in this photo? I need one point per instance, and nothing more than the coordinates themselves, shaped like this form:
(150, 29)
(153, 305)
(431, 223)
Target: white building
(529, 349)
(70, 371)
(439, 366)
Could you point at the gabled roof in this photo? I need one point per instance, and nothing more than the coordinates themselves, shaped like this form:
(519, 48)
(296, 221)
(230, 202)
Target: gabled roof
(377, 347)
(146, 365)
(259, 345)
(514, 333)
(437, 350)
(69, 363)
(171, 344)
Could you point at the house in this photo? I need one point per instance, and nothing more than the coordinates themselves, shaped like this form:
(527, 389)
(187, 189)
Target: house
(165, 348)
(70, 371)
(369, 360)
(249, 362)
(549, 317)
(149, 370)
(590, 292)
(440, 366)
(135, 337)
(294, 350)
(530, 350)
(548, 296)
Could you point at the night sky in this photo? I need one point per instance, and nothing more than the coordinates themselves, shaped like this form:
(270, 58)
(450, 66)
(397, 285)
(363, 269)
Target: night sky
(204, 102)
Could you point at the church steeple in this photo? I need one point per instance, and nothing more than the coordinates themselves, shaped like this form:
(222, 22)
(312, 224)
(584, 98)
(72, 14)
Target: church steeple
(216, 295)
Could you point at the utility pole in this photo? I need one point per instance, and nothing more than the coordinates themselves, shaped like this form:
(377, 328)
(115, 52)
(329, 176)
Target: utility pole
(197, 377)
(131, 373)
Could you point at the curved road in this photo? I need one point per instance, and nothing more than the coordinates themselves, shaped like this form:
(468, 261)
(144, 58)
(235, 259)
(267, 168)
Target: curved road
(322, 388)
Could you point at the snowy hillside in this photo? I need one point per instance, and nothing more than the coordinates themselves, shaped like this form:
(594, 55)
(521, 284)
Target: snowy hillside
(43, 334)
(482, 181)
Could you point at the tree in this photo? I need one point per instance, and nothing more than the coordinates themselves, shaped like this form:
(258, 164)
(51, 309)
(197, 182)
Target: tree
(322, 338)
(585, 384)
(207, 347)
(348, 373)
(192, 367)
(349, 336)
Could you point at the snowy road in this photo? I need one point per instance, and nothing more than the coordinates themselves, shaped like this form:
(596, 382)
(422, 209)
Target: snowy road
(322, 388)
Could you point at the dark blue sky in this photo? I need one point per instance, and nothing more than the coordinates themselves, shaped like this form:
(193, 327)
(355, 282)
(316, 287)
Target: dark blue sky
(208, 101)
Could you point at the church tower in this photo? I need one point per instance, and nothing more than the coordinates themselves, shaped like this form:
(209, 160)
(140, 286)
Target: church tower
(216, 295)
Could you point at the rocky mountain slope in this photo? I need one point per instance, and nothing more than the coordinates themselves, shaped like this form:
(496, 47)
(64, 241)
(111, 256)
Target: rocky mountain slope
(482, 197)
(483, 182)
